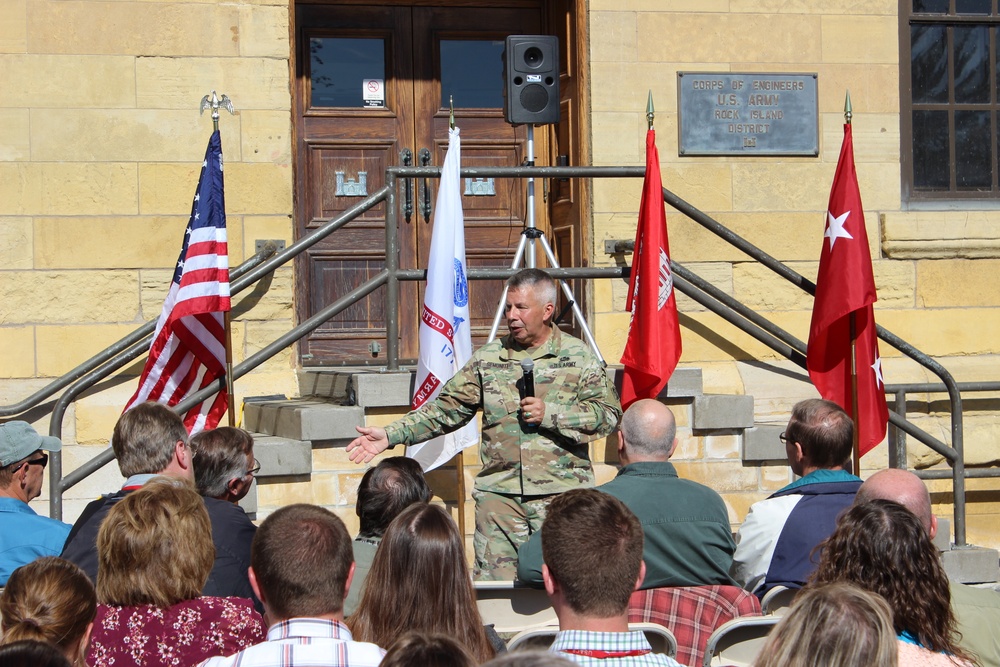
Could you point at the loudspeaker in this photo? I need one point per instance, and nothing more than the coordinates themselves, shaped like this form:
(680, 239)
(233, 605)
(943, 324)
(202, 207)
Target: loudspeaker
(531, 79)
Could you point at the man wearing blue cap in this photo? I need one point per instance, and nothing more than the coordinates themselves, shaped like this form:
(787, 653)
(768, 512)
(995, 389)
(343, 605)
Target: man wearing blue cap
(24, 535)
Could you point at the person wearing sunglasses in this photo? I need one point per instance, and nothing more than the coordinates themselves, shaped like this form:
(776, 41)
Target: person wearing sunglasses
(25, 535)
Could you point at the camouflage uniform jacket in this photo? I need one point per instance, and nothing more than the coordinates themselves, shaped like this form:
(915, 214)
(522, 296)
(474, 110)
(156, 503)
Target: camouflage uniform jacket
(580, 406)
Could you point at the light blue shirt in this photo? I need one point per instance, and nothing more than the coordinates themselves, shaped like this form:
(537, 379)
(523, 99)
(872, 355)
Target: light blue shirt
(25, 536)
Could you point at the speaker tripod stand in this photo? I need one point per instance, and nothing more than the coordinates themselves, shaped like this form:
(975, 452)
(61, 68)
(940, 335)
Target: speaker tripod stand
(530, 237)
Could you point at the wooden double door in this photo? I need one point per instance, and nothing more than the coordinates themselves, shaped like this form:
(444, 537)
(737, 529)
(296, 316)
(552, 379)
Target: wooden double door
(373, 88)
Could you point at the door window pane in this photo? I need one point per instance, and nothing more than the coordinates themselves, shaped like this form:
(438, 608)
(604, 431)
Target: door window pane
(472, 72)
(929, 68)
(930, 6)
(972, 150)
(972, 63)
(972, 6)
(339, 67)
(930, 150)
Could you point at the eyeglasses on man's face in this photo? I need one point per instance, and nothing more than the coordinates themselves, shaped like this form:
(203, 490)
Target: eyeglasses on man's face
(254, 470)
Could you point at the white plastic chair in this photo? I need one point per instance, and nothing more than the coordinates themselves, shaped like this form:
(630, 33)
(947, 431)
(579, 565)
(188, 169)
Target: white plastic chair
(777, 600)
(737, 642)
(512, 607)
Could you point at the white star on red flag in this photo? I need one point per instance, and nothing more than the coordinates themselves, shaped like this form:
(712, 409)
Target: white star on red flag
(835, 229)
(877, 367)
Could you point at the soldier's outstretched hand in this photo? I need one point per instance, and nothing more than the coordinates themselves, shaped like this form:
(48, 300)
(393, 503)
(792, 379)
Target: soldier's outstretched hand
(371, 442)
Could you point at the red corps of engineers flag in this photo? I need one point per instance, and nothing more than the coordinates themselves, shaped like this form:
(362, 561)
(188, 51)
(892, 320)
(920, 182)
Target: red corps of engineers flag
(845, 285)
(445, 333)
(189, 346)
(654, 336)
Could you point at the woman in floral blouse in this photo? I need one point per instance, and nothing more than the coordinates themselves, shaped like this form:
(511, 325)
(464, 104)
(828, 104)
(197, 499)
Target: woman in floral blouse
(155, 553)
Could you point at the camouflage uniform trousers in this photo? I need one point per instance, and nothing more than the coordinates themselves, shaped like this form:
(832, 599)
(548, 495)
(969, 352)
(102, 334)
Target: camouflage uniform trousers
(503, 523)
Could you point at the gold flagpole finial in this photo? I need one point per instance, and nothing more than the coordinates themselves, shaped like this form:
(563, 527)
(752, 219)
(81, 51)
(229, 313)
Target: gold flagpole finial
(451, 112)
(847, 108)
(649, 111)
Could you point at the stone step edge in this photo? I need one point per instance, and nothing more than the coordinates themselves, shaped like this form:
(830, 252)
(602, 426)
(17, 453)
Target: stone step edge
(370, 388)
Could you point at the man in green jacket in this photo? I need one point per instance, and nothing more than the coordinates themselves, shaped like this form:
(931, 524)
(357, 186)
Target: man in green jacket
(533, 446)
(688, 539)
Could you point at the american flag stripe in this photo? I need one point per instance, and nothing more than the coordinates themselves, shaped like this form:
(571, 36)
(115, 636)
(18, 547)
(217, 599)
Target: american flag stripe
(189, 346)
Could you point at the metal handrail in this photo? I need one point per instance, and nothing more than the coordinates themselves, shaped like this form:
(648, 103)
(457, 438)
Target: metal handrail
(136, 336)
(116, 356)
(955, 453)
(688, 283)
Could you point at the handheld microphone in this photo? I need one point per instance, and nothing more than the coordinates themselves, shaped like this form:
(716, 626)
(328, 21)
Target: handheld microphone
(528, 368)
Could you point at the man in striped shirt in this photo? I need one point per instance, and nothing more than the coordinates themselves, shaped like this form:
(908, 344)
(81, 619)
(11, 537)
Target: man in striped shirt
(592, 553)
(301, 569)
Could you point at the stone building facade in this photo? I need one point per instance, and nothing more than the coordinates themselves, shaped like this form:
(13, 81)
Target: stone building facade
(100, 141)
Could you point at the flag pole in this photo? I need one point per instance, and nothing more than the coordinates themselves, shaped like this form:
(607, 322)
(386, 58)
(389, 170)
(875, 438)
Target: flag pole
(649, 111)
(856, 458)
(459, 458)
(215, 103)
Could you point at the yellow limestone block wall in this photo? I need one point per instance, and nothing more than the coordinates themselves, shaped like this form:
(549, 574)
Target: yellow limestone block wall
(101, 144)
(933, 269)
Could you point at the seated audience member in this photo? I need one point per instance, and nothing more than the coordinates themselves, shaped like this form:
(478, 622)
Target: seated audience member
(50, 600)
(301, 568)
(155, 551)
(150, 440)
(832, 625)
(224, 468)
(882, 547)
(692, 613)
(977, 610)
(32, 653)
(25, 535)
(775, 543)
(432, 650)
(385, 490)
(687, 537)
(423, 585)
(592, 551)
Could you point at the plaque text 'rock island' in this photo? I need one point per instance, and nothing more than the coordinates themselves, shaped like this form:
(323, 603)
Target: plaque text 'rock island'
(724, 113)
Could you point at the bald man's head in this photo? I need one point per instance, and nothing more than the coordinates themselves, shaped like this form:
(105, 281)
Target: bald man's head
(903, 487)
(648, 431)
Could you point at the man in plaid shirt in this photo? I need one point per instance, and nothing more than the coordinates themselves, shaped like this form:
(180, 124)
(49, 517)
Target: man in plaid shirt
(592, 552)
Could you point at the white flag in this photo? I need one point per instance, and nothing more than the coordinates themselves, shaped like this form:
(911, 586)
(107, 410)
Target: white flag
(445, 334)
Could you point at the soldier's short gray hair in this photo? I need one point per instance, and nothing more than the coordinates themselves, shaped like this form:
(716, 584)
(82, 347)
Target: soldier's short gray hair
(540, 282)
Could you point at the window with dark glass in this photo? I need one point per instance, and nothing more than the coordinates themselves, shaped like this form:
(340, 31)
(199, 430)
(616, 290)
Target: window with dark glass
(950, 76)
(339, 68)
(472, 73)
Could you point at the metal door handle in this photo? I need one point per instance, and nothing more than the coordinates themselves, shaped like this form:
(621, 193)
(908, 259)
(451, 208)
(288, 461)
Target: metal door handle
(425, 188)
(406, 159)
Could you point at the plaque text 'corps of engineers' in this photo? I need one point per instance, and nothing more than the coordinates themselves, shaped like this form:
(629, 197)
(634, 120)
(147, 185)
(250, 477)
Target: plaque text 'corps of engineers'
(725, 113)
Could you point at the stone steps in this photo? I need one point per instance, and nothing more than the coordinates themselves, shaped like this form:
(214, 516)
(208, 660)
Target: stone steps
(334, 402)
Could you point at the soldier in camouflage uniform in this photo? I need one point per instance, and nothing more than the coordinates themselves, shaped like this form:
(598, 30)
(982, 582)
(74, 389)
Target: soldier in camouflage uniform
(532, 447)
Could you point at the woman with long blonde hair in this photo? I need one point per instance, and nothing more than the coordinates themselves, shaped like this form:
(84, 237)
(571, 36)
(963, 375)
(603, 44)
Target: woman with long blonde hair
(832, 625)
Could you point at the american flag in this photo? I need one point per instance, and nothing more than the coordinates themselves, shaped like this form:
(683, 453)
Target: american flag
(189, 346)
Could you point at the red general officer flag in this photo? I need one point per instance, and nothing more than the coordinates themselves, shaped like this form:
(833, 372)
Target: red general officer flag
(845, 286)
(654, 336)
